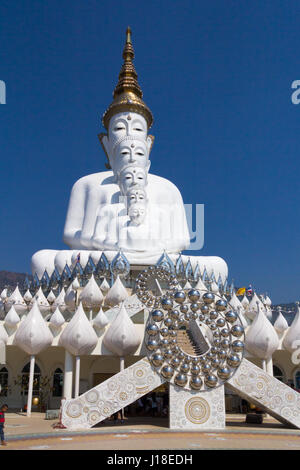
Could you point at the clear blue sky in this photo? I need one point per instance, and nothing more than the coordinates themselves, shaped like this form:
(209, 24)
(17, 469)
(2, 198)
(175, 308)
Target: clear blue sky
(217, 76)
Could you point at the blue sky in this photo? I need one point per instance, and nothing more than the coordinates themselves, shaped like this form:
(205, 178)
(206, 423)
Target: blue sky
(217, 76)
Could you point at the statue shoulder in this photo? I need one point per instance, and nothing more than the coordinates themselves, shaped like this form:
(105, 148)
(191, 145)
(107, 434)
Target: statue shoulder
(165, 186)
(94, 180)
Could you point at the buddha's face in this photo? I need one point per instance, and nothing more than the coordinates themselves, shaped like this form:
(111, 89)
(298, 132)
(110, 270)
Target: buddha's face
(132, 177)
(136, 195)
(131, 152)
(127, 125)
(137, 213)
(127, 141)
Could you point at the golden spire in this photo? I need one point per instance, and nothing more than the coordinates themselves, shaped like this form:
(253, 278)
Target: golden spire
(128, 94)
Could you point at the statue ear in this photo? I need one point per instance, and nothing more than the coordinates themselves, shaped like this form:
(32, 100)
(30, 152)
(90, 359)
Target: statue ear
(150, 142)
(105, 145)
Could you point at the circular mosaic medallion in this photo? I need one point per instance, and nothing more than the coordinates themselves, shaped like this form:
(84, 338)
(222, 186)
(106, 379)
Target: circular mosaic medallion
(106, 410)
(92, 396)
(74, 409)
(197, 410)
(94, 417)
(123, 396)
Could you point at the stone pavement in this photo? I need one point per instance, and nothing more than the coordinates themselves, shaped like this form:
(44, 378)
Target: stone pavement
(36, 433)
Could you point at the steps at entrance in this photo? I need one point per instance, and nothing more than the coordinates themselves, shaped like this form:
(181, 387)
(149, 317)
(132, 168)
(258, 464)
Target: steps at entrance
(186, 343)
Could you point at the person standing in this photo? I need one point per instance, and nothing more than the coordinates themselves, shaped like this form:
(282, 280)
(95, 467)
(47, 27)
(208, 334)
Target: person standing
(3, 410)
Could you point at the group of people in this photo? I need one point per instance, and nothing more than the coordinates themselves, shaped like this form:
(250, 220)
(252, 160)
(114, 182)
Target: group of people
(153, 404)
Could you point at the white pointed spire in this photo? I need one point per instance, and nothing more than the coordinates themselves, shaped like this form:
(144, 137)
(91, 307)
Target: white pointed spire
(91, 296)
(292, 338)
(27, 296)
(16, 300)
(200, 285)
(3, 294)
(42, 302)
(261, 337)
(116, 294)
(79, 336)
(235, 303)
(280, 324)
(101, 320)
(75, 284)
(267, 301)
(59, 302)
(104, 286)
(252, 309)
(33, 334)
(122, 337)
(70, 298)
(12, 318)
(187, 286)
(51, 297)
(245, 302)
(57, 320)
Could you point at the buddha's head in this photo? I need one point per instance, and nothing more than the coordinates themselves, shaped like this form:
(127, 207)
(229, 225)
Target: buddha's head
(127, 142)
(136, 195)
(137, 213)
(127, 119)
(131, 177)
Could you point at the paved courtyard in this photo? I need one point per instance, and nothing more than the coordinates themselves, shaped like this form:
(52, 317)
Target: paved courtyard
(36, 433)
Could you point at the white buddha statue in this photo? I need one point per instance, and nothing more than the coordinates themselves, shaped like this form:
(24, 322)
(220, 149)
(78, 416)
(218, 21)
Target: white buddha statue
(101, 217)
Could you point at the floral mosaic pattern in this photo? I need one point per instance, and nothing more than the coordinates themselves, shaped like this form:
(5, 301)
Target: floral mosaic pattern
(190, 409)
(268, 393)
(112, 395)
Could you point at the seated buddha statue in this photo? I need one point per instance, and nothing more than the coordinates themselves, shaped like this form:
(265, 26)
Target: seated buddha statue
(98, 204)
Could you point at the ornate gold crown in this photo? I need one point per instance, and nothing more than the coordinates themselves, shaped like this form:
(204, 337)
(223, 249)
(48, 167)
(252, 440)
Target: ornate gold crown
(127, 94)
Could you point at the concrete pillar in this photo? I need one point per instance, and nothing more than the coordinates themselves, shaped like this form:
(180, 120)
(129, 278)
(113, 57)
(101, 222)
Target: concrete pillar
(122, 367)
(77, 376)
(30, 385)
(68, 376)
(269, 366)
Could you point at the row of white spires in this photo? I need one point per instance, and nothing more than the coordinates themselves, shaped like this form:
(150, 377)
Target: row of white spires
(33, 330)
(92, 297)
(79, 337)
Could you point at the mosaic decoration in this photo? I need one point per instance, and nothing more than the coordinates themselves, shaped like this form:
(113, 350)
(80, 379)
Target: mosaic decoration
(196, 381)
(192, 410)
(273, 396)
(110, 396)
(208, 320)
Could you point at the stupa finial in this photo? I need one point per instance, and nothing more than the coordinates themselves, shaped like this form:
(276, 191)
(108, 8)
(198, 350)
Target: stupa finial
(128, 94)
(128, 35)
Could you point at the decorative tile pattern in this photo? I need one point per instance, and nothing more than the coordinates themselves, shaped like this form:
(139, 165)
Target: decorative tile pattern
(194, 410)
(273, 396)
(188, 409)
(112, 395)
